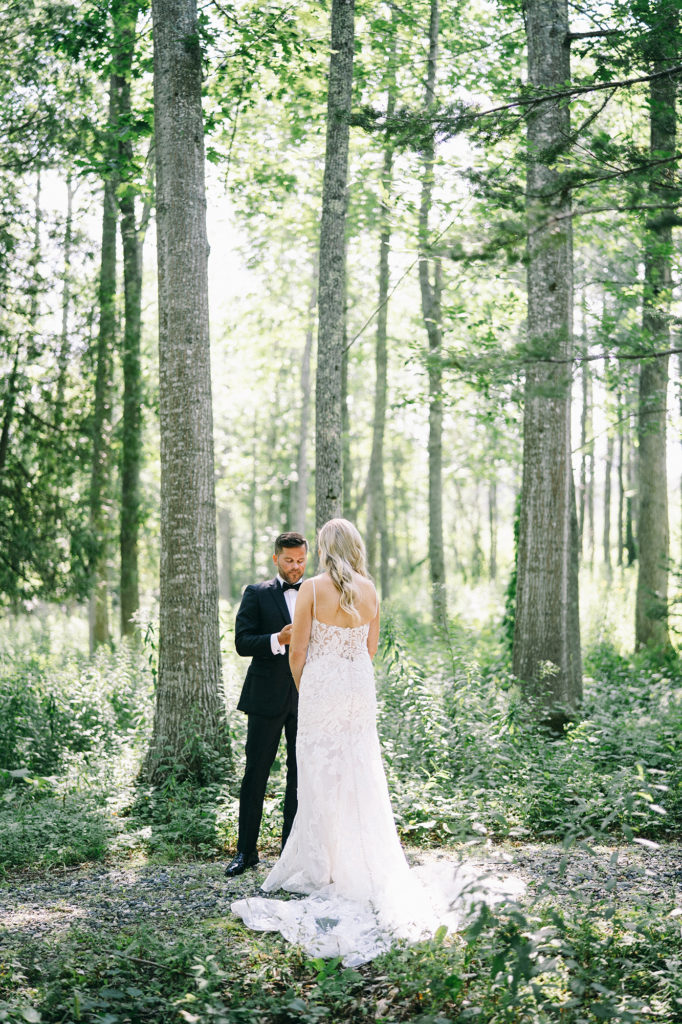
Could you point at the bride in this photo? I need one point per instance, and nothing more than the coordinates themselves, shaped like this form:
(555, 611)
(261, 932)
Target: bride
(343, 852)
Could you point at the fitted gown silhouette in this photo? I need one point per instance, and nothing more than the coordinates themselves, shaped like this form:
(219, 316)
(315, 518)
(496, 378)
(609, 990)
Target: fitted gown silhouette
(343, 852)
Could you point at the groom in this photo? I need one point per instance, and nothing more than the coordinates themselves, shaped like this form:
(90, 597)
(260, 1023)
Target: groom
(269, 696)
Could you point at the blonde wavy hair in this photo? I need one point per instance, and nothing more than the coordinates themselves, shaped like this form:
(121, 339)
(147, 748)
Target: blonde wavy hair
(342, 552)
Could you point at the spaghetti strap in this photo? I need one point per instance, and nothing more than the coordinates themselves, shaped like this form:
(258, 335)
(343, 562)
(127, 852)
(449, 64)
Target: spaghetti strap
(314, 600)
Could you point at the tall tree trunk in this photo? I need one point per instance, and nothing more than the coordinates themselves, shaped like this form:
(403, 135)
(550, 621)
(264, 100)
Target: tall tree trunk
(64, 343)
(190, 732)
(377, 529)
(492, 529)
(582, 487)
(132, 241)
(332, 291)
(106, 338)
(225, 528)
(431, 311)
(679, 364)
(589, 489)
(606, 534)
(347, 466)
(630, 504)
(621, 481)
(301, 514)
(546, 653)
(651, 615)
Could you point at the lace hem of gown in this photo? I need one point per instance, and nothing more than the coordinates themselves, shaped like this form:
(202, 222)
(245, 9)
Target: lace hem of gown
(328, 924)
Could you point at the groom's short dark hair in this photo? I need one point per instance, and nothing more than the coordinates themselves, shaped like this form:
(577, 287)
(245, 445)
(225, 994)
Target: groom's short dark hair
(291, 539)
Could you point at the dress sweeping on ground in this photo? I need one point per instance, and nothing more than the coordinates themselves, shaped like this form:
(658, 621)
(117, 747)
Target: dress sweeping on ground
(343, 852)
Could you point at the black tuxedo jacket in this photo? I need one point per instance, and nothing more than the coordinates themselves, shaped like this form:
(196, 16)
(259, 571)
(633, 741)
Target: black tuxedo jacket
(269, 688)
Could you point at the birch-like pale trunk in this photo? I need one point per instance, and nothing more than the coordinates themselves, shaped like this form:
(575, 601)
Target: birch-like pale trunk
(190, 734)
(653, 535)
(546, 652)
(431, 291)
(332, 289)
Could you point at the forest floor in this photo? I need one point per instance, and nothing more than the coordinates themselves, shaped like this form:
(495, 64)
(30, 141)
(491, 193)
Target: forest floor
(103, 899)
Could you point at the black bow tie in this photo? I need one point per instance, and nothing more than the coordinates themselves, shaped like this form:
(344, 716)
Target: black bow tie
(291, 586)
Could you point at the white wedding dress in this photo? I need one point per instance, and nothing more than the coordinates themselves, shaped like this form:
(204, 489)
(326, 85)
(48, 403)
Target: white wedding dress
(343, 852)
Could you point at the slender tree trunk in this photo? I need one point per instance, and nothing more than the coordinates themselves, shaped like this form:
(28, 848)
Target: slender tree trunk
(106, 339)
(621, 481)
(679, 358)
(347, 473)
(582, 489)
(631, 505)
(376, 485)
(225, 527)
(301, 514)
(190, 733)
(492, 529)
(589, 493)
(132, 241)
(8, 411)
(64, 343)
(332, 291)
(608, 472)
(431, 311)
(651, 617)
(546, 655)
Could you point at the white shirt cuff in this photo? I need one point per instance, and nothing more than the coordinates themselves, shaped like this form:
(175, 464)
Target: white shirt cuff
(276, 646)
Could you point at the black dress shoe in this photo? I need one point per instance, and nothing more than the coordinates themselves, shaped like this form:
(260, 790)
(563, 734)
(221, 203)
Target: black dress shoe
(241, 862)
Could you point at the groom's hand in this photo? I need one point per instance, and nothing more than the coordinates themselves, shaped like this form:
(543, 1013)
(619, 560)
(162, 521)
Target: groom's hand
(284, 636)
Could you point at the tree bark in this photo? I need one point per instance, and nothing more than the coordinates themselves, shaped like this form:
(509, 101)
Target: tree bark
(621, 482)
(190, 735)
(64, 344)
(546, 653)
(606, 534)
(431, 311)
(653, 541)
(377, 529)
(101, 423)
(301, 514)
(332, 289)
(132, 242)
(492, 529)
(226, 580)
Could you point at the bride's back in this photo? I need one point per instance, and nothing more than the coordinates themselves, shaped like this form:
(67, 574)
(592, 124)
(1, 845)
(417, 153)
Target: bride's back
(328, 610)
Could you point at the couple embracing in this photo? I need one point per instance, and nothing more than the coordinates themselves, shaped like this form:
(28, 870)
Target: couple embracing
(340, 847)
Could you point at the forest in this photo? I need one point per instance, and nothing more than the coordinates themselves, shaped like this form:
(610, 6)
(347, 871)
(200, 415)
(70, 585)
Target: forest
(412, 263)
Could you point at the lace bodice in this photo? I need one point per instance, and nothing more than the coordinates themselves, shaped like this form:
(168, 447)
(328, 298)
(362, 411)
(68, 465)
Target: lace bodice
(348, 642)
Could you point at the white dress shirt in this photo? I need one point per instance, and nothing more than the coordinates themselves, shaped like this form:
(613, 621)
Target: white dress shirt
(290, 598)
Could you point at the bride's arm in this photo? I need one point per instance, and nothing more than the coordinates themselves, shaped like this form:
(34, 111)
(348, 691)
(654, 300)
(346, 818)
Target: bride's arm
(300, 634)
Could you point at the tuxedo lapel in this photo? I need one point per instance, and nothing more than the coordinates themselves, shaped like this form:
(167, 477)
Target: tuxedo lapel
(278, 598)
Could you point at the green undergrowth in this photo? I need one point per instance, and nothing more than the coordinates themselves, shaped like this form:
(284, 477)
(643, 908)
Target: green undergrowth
(464, 761)
(580, 965)
(465, 756)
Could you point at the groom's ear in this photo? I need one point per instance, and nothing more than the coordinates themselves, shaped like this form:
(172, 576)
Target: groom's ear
(274, 558)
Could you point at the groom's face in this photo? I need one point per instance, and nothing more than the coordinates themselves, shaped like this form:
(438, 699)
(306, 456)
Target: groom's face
(290, 563)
